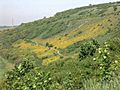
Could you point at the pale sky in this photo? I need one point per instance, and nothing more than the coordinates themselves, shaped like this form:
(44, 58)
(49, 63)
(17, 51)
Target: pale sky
(29, 10)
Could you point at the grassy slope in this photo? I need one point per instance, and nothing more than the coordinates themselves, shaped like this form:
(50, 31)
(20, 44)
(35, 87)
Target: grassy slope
(4, 66)
(63, 31)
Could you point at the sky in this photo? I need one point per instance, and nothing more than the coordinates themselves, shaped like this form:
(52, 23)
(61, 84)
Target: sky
(22, 11)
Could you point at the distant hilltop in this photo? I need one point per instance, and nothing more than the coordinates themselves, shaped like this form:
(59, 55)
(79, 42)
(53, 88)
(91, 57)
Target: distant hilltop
(7, 27)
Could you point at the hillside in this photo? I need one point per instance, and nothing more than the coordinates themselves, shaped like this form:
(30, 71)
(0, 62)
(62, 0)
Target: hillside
(55, 41)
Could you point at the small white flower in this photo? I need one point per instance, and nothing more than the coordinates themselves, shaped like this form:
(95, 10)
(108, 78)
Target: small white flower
(106, 45)
(34, 86)
(38, 73)
(105, 42)
(94, 59)
(116, 61)
(45, 81)
(108, 53)
(104, 57)
(19, 67)
(101, 64)
(105, 50)
(100, 67)
(99, 51)
(49, 79)
(35, 78)
(26, 88)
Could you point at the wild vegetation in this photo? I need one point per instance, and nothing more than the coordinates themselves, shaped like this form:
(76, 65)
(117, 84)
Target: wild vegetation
(78, 49)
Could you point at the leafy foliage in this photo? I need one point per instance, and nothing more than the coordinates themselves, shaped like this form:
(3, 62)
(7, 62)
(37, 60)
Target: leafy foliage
(26, 76)
(88, 49)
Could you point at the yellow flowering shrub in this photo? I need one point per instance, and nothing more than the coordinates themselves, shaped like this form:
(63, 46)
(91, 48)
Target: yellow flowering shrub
(49, 60)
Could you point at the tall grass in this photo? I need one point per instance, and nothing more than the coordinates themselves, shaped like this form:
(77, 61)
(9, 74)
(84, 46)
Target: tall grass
(92, 84)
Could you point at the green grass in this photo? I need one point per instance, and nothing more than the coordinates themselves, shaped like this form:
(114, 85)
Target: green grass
(2, 67)
(94, 85)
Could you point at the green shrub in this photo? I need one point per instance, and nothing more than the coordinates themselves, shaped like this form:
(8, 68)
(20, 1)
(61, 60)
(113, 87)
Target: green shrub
(26, 76)
(88, 49)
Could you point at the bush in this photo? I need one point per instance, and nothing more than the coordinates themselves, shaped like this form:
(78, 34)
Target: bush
(26, 76)
(88, 49)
